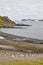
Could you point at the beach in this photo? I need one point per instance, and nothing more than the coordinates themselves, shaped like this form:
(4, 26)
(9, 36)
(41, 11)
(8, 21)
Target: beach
(14, 48)
(20, 38)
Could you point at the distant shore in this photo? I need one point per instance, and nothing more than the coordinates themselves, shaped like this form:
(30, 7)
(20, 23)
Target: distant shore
(14, 26)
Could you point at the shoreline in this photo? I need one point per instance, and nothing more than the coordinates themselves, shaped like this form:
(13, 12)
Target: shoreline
(20, 38)
(10, 48)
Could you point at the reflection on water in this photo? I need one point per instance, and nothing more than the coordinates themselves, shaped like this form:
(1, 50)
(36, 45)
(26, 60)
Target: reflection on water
(34, 31)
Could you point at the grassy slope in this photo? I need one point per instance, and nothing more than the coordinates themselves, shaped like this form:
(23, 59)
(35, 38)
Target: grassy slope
(21, 46)
(24, 62)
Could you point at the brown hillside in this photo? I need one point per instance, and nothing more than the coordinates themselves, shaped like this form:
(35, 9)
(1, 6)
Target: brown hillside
(6, 21)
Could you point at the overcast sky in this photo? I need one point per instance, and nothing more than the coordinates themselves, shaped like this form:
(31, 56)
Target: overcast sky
(18, 9)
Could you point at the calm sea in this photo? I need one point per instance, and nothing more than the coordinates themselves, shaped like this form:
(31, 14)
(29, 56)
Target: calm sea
(34, 31)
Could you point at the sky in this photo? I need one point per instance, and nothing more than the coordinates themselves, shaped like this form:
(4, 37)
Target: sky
(19, 9)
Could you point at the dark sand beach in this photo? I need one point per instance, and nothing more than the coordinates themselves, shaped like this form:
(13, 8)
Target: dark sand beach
(20, 38)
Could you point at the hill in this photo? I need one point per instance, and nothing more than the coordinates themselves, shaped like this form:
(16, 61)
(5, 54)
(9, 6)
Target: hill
(6, 21)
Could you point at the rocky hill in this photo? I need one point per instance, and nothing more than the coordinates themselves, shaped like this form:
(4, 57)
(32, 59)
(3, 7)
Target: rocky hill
(6, 21)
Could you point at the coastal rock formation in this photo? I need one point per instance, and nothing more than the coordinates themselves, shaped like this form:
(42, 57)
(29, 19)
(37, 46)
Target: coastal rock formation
(4, 20)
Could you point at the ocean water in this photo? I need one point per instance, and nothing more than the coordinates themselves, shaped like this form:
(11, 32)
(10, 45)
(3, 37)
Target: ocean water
(34, 31)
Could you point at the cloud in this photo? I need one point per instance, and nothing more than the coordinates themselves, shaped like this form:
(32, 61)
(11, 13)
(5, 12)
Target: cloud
(8, 9)
(17, 9)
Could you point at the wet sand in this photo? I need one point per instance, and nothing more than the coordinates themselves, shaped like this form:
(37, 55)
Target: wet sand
(19, 38)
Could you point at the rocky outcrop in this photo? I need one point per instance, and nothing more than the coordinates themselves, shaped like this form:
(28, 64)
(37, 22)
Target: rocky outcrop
(6, 21)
